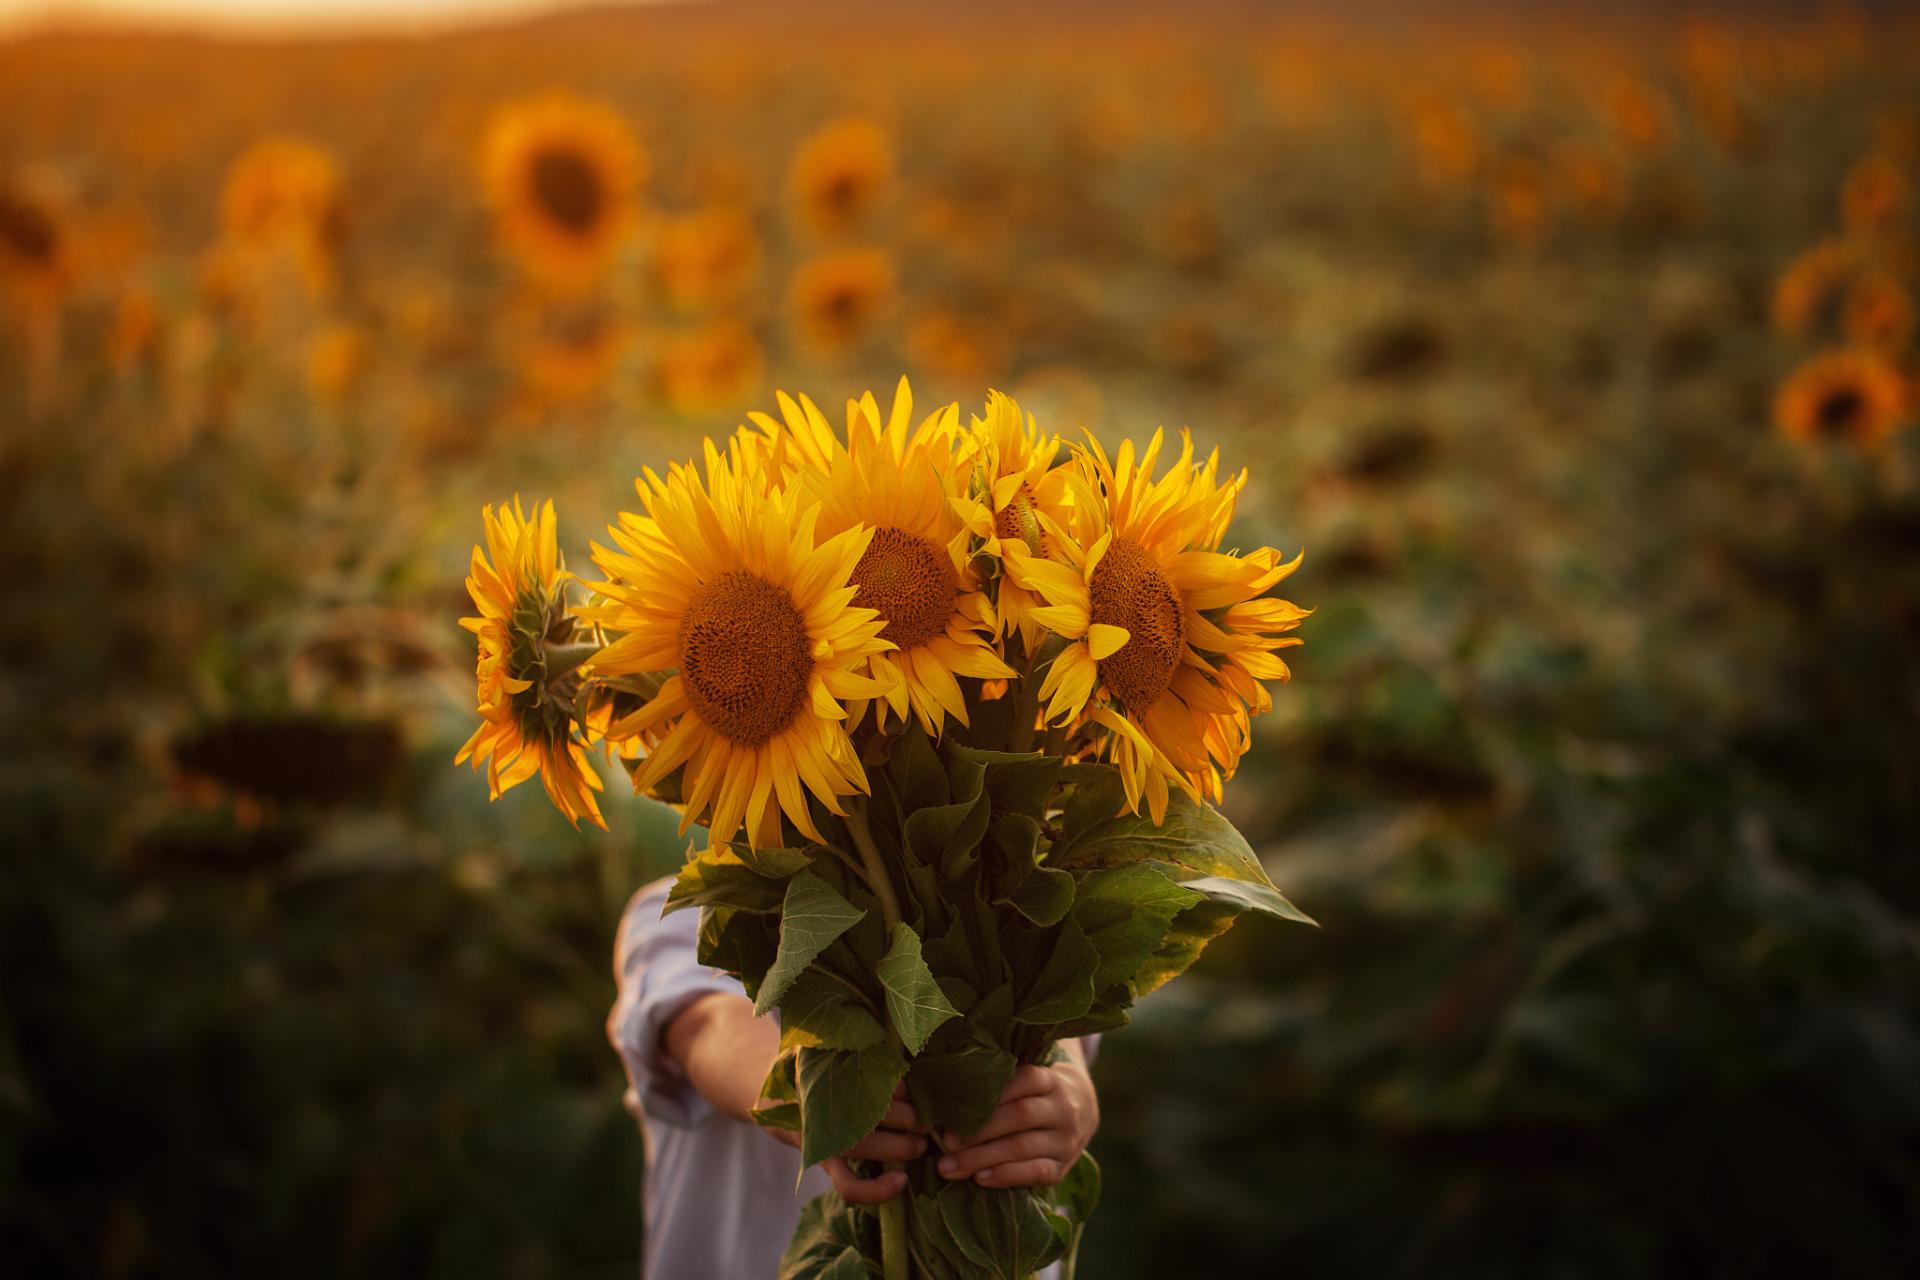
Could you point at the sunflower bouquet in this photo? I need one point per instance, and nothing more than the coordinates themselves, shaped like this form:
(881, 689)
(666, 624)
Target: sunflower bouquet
(952, 702)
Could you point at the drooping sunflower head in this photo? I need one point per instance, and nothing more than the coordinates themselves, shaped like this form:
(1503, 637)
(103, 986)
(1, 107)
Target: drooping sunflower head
(563, 176)
(712, 367)
(706, 260)
(529, 664)
(1171, 636)
(841, 175)
(835, 300)
(724, 584)
(1850, 397)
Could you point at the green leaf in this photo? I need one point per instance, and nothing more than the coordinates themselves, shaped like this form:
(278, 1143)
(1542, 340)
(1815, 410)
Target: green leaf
(1063, 988)
(782, 1084)
(718, 877)
(943, 835)
(780, 1115)
(775, 864)
(1079, 1191)
(915, 1002)
(825, 1244)
(1248, 896)
(918, 776)
(812, 917)
(1098, 794)
(819, 1012)
(1009, 1235)
(1018, 783)
(1187, 937)
(844, 1093)
(1126, 913)
(959, 1087)
(744, 943)
(1195, 842)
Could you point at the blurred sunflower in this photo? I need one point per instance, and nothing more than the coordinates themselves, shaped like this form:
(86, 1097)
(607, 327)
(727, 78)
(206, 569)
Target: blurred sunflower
(1018, 496)
(36, 259)
(725, 584)
(710, 368)
(1637, 114)
(1807, 287)
(1171, 637)
(1874, 195)
(336, 357)
(706, 259)
(568, 354)
(916, 573)
(841, 175)
(529, 662)
(283, 198)
(1851, 396)
(1878, 314)
(563, 176)
(955, 346)
(1593, 180)
(836, 299)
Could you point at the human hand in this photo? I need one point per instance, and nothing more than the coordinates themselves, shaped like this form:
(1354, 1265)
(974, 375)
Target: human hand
(1045, 1119)
(899, 1136)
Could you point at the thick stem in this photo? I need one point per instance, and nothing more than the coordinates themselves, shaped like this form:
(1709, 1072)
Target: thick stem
(878, 878)
(893, 1235)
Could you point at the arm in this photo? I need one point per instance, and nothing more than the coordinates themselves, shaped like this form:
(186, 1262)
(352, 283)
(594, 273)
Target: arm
(727, 1052)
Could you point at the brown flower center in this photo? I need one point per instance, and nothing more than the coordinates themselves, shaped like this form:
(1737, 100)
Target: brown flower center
(1130, 590)
(1840, 411)
(1019, 519)
(910, 582)
(26, 230)
(744, 657)
(568, 188)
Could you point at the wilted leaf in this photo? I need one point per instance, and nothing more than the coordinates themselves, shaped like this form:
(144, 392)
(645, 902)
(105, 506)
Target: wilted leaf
(813, 916)
(1188, 936)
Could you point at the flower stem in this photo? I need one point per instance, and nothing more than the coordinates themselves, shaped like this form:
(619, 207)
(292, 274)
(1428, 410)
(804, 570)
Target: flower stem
(893, 1234)
(878, 878)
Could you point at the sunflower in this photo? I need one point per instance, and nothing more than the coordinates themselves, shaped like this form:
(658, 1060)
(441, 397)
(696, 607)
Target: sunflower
(1019, 496)
(1878, 314)
(841, 175)
(529, 663)
(35, 254)
(568, 353)
(709, 368)
(705, 260)
(1171, 637)
(563, 176)
(283, 197)
(725, 584)
(1807, 288)
(836, 299)
(916, 573)
(1874, 196)
(1855, 396)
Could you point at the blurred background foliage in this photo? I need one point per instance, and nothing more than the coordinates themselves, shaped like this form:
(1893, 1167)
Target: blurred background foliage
(1575, 353)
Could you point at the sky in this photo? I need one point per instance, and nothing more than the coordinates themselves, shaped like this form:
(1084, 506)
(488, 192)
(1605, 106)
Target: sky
(265, 15)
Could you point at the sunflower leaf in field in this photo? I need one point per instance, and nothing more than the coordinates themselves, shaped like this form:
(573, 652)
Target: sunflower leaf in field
(1063, 987)
(821, 1012)
(843, 1095)
(915, 1002)
(716, 876)
(812, 917)
(1126, 913)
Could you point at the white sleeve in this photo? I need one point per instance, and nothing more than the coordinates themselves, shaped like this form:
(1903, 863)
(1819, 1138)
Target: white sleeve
(657, 966)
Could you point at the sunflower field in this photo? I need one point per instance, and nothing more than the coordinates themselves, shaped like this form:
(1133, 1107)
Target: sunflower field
(1577, 355)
